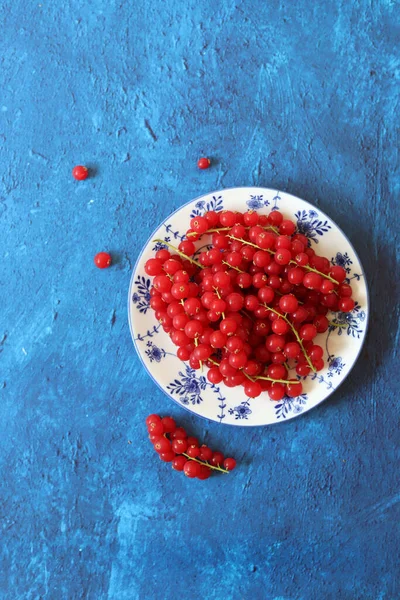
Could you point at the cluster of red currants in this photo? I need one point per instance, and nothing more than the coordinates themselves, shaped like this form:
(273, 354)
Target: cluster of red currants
(173, 445)
(251, 303)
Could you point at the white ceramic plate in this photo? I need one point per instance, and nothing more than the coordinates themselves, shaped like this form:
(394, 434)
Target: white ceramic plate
(190, 388)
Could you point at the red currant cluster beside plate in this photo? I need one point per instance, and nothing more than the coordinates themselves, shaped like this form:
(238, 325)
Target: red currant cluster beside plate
(251, 303)
(173, 445)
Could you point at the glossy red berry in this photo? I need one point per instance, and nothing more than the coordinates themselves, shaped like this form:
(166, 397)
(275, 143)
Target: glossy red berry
(203, 163)
(102, 260)
(169, 424)
(229, 464)
(191, 469)
(80, 173)
(167, 456)
(217, 459)
(179, 462)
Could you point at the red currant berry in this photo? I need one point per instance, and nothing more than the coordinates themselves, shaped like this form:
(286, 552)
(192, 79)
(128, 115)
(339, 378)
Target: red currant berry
(199, 224)
(276, 391)
(292, 350)
(153, 419)
(178, 434)
(161, 444)
(179, 446)
(102, 260)
(338, 273)
(167, 456)
(287, 227)
(205, 453)
(179, 462)
(205, 472)
(193, 451)
(252, 389)
(288, 303)
(275, 218)
(191, 469)
(294, 388)
(229, 464)
(155, 427)
(203, 163)
(80, 173)
(346, 304)
(169, 424)
(308, 332)
(217, 459)
(312, 281)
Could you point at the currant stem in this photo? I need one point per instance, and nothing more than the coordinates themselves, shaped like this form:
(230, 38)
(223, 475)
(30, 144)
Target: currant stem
(180, 253)
(205, 463)
(332, 324)
(295, 333)
(231, 267)
(291, 262)
(286, 381)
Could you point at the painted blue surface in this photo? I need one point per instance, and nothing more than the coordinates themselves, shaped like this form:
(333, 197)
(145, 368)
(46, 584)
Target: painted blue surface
(289, 95)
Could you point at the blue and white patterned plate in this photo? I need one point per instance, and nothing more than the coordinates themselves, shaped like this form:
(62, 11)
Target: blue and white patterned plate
(190, 388)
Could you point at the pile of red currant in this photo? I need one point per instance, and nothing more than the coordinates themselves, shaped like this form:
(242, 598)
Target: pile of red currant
(173, 445)
(251, 303)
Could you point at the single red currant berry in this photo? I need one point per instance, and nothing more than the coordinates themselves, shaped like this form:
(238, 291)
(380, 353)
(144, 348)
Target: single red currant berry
(275, 218)
(294, 388)
(217, 459)
(102, 260)
(167, 456)
(80, 173)
(205, 472)
(203, 163)
(308, 332)
(179, 462)
(187, 247)
(153, 418)
(179, 446)
(169, 424)
(191, 469)
(321, 323)
(292, 350)
(338, 273)
(153, 267)
(155, 427)
(193, 451)
(346, 304)
(312, 281)
(287, 227)
(205, 453)
(344, 290)
(276, 391)
(229, 464)
(288, 303)
(178, 434)
(252, 389)
(161, 444)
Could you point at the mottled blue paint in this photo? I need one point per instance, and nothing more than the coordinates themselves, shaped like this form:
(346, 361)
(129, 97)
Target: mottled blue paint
(294, 95)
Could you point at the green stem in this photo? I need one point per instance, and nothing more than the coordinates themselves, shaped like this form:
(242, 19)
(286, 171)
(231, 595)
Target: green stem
(205, 463)
(332, 324)
(286, 381)
(180, 253)
(231, 267)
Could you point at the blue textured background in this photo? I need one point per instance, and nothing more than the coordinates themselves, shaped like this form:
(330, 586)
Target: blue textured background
(282, 94)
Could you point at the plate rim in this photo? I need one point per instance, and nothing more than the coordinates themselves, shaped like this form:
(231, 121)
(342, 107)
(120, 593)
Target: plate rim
(212, 193)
